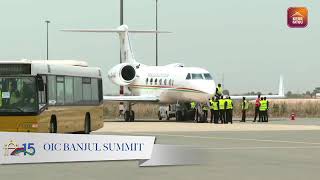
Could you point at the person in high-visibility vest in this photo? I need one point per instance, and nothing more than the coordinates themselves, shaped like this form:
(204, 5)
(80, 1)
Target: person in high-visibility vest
(205, 109)
(244, 108)
(222, 110)
(229, 110)
(193, 106)
(263, 109)
(219, 90)
(215, 110)
(211, 109)
(267, 109)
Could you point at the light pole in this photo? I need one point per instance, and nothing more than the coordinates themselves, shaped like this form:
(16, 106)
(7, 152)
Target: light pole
(156, 32)
(47, 22)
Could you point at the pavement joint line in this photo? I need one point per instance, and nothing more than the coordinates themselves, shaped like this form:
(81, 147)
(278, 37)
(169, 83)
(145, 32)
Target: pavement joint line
(225, 138)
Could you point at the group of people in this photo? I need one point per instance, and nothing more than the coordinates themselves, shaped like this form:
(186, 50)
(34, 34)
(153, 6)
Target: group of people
(261, 109)
(221, 108)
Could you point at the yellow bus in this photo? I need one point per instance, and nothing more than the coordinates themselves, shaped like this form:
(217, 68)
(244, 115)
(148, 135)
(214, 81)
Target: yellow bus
(56, 96)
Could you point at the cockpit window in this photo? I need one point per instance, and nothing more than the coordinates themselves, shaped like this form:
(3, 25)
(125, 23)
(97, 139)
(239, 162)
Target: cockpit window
(207, 76)
(196, 76)
(188, 76)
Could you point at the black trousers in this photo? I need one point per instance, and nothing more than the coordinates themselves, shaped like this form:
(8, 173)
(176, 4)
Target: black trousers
(228, 116)
(216, 116)
(205, 113)
(262, 116)
(222, 114)
(244, 113)
(211, 115)
(256, 113)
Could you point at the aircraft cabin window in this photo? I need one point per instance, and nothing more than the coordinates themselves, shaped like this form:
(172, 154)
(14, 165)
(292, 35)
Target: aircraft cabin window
(147, 81)
(160, 82)
(155, 81)
(188, 76)
(151, 80)
(165, 82)
(207, 76)
(197, 76)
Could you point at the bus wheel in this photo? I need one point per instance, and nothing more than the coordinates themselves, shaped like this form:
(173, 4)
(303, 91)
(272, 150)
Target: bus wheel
(53, 125)
(87, 125)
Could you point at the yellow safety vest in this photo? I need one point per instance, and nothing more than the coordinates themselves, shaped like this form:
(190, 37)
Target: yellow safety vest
(229, 103)
(221, 103)
(193, 105)
(215, 105)
(220, 90)
(211, 104)
(246, 105)
(205, 108)
(263, 105)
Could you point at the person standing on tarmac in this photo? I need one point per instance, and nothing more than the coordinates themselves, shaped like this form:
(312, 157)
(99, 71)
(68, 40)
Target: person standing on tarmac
(219, 91)
(267, 109)
(244, 108)
(222, 110)
(205, 109)
(211, 109)
(215, 107)
(263, 109)
(229, 110)
(193, 109)
(256, 111)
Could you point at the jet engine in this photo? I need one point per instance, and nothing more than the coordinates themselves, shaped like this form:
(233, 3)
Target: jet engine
(122, 74)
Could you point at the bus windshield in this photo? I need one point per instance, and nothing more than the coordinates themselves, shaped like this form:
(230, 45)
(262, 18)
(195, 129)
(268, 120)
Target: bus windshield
(18, 95)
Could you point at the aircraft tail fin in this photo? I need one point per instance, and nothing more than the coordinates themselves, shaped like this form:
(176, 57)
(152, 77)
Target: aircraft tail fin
(123, 31)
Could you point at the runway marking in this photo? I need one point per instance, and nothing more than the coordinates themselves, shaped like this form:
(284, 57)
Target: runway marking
(225, 138)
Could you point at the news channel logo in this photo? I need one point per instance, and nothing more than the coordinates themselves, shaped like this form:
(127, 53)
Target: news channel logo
(12, 148)
(297, 17)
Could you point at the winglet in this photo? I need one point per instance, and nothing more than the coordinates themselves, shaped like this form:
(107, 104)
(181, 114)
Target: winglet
(281, 87)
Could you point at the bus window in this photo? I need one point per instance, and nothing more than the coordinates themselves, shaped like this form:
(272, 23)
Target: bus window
(151, 81)
(77, 93)
(68, 83)
(52, 86)
(60, 89)
(94, 87)
(160, 82)
(169, 82)
(147, 81)
(156, 81)
(86, 89)
(165, 82)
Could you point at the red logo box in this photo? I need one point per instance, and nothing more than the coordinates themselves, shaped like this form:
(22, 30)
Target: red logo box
(297, 17)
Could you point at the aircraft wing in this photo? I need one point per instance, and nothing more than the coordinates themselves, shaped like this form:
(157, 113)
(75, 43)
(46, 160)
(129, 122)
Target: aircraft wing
(280, 94)
(132, 98)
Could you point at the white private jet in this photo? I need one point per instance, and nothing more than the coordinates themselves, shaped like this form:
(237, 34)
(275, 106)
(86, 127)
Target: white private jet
(169, 84)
